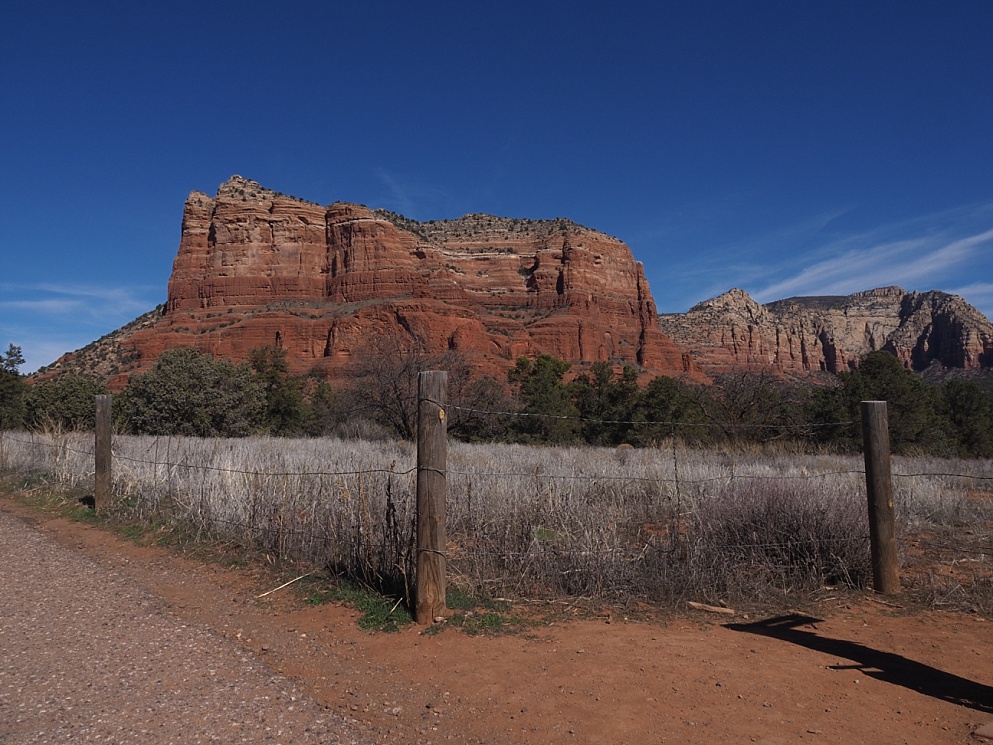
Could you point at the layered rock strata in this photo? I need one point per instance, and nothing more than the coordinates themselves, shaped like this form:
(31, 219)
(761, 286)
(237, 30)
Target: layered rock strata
(335, 285)
(256, 268)
(831, 334)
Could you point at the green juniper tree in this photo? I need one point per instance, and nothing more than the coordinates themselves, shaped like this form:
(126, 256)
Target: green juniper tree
(969, 410)
(607, 402)
(11, 389)
(190, 393)
(67, 402)
(668, 407)
(285, 409)
(916, 421)
(551, 417)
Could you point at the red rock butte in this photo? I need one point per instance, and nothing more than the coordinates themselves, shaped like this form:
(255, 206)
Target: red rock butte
(259, 268)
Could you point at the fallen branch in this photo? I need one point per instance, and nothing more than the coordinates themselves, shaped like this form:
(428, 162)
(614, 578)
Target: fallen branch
(712, 608)
(285, 584)
(394, 607)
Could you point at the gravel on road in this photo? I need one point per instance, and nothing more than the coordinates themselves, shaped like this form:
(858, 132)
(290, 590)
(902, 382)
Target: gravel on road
(87, 655)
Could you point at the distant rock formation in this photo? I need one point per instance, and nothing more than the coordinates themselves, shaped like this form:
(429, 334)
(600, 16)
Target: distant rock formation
(806, 335)
(258, 268)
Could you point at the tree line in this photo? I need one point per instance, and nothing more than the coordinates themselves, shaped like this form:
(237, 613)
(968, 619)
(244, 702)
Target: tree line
(190, 393)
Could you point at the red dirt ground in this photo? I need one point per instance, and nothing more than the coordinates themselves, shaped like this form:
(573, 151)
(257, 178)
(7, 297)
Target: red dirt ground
(849, 669)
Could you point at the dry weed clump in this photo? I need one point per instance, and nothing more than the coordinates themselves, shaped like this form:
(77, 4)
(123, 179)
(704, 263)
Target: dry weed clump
(67, 457)
(660, 525)
(342, 504)
(758, 538)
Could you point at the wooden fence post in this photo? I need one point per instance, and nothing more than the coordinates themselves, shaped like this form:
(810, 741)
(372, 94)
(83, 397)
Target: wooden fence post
(432, 482)
(101, 454)
(879, 488)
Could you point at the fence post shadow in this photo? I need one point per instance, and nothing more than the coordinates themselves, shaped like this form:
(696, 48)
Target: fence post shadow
(874, 663)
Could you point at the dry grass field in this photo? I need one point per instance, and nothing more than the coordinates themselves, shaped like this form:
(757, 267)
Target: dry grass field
(659, 526)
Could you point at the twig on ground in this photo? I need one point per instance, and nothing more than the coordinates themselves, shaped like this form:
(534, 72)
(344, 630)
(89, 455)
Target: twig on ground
(286, 584)
(712, 608)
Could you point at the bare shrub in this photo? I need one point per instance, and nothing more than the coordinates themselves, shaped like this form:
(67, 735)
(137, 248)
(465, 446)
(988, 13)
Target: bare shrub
(754, 538)
(343, 504)
(661, 524)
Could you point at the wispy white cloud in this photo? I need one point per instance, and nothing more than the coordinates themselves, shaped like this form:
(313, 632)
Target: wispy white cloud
(87, 300)
(49, 307)
(39, 351)
(109, 294)
(976, 288)
(688, 257)
(48, 319)
(922, 259)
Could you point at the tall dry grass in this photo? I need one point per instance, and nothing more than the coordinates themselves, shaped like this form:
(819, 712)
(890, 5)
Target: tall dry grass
(656, 524)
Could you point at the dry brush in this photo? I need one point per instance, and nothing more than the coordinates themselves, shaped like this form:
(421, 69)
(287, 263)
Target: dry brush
(660, 524)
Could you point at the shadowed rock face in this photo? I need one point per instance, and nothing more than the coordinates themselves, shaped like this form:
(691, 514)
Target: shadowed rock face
(831, 334)
(256, 268)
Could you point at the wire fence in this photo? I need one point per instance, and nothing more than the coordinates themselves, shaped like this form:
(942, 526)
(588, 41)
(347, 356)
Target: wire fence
(659, 524)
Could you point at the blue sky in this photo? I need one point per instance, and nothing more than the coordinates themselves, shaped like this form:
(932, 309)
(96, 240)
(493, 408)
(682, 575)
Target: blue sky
(786, 148)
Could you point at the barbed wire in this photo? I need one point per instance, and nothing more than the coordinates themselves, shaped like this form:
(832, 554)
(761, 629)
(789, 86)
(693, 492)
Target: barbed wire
(371, 546)
(963, 548)
(543, 547)
(220, 469)
(648, 479)
(268, 474)
(647, 422)
(942, 475)
(473, 474)
(734, 475)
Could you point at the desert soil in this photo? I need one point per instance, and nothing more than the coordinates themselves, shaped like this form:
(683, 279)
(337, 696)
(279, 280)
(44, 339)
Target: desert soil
(104, 640)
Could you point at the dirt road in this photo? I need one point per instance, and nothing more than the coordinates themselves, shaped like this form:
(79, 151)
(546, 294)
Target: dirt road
(88, 655)
(103, 640)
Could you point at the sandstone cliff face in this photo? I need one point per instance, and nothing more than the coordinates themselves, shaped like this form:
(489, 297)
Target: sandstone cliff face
(831, 334)
(255, 267)
(327, 284)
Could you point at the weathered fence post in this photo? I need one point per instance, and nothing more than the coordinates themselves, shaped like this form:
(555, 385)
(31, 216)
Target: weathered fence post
(101, 454)
(432, 480)
(879, 488)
